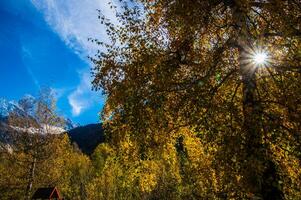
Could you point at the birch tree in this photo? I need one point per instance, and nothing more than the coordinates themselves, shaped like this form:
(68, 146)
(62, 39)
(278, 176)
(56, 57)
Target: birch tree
(228, 70)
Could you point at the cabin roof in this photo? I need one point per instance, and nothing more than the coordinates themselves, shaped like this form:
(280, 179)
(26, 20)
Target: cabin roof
(46, 193)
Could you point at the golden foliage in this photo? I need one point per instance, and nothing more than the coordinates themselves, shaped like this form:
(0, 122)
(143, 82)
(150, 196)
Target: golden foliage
(186, 100)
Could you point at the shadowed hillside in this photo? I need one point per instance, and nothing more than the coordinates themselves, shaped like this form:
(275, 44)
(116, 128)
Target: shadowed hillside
(87, 137)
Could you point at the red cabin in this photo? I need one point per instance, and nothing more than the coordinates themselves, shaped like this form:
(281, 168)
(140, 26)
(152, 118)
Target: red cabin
(50, 193)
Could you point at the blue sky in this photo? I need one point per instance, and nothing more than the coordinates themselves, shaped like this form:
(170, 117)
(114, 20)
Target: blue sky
(44, 43)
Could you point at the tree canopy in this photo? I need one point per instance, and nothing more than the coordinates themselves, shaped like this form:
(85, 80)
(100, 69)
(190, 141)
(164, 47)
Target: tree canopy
(186, 98)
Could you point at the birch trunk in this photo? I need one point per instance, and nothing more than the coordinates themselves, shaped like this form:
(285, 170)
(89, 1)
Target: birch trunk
(31, 179)
(259, 170)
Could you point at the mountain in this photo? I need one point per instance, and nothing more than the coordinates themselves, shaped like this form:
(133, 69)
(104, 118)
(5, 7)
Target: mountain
(7, 107)
(69, 124)
(87, 137)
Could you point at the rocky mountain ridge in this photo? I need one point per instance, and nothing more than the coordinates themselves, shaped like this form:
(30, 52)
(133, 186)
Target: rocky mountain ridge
(85, 137)
(9, 106)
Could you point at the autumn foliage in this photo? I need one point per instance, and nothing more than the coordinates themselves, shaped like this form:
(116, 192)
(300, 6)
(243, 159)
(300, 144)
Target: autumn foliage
(189, 113)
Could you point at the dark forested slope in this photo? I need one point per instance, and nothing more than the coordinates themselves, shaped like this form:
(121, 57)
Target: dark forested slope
(87, 137)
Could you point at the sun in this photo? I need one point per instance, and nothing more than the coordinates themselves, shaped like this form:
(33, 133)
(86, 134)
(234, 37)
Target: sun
(260, 58)
(257, 57)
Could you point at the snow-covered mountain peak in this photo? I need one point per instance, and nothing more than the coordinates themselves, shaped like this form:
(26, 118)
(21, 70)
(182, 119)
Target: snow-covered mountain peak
(7, 107)
(26, 107)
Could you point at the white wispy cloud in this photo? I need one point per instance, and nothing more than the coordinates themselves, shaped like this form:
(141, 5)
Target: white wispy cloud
(75, 21)
(78, 99)
(25, 55)
(83, 97)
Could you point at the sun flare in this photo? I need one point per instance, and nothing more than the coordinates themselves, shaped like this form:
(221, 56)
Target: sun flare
(260, 58)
